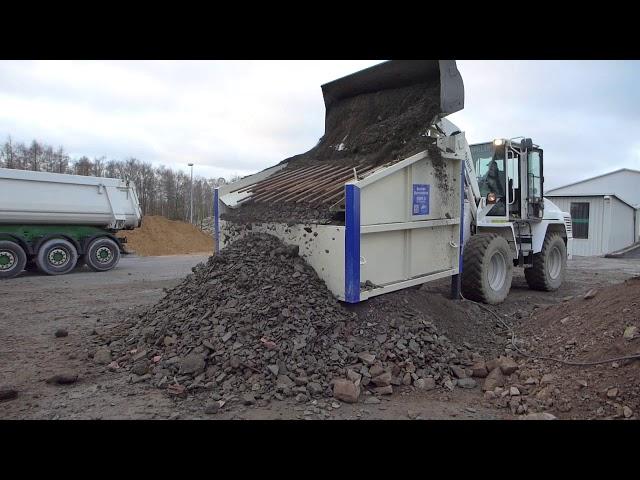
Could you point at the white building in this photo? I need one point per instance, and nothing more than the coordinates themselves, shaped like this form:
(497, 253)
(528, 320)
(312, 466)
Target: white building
(605, 211)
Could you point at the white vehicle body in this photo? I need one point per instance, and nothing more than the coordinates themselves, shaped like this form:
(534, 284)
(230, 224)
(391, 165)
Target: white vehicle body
(44, 198)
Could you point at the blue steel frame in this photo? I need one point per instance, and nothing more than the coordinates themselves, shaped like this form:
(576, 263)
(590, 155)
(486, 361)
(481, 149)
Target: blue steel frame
(216, 220)
(352, 245)
(456, 279)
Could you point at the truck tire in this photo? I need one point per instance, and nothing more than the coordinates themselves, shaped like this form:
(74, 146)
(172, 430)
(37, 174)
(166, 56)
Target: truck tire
(12, 259)
(549, 266)
(102, 254)
(56, 257)
(487, 268)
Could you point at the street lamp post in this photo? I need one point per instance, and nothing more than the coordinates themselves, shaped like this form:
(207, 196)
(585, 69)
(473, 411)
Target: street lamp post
(191, 200)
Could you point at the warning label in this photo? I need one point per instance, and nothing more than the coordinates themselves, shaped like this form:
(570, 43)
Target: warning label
(421, 199)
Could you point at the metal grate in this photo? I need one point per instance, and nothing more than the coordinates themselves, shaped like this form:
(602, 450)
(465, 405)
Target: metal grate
(314, 185)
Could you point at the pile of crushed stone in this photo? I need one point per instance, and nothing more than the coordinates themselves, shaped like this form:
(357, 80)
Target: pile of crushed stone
(256, 323)
(370, 129)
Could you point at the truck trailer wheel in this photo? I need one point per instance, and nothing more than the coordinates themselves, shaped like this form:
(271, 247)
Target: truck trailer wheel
(487, 268)
(12, 259)
(102, 254)
(549, 266)
(56, 257)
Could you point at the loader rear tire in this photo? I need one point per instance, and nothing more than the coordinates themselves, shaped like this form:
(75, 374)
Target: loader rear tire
(12, 259)
(549, 266)
(487, 268)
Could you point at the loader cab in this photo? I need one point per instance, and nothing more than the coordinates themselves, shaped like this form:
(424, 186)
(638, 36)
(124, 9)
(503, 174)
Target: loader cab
(510, 178)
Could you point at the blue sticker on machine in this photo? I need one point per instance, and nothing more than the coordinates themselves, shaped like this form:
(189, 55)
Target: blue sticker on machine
(421, 199)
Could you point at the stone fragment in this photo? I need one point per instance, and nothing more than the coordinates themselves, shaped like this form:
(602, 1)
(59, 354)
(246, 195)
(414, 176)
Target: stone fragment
(382, 380)
(507, 365)
(346, 391)
(493, 380)
(192, 364)
(102, 356)
(388, 390)
(467, 383)
(479, 369)
(425, 384)
(630, 332)
(367, 358)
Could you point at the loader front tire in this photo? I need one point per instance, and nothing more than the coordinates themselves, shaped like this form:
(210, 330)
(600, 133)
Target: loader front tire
(549, 266)
(487, 268)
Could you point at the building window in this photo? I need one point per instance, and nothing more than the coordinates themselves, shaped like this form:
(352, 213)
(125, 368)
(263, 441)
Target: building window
(580, 219)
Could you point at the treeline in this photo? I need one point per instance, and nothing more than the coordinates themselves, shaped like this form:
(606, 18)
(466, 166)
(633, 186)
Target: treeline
(161, 190)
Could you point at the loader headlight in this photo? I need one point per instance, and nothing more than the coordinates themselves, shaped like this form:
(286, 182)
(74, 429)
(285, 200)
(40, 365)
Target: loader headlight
(497, 142)
(491, 198)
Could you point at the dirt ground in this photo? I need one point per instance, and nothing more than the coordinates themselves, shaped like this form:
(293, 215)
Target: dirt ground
(83, 302)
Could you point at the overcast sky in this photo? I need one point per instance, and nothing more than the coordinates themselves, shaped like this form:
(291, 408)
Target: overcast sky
(238, 117)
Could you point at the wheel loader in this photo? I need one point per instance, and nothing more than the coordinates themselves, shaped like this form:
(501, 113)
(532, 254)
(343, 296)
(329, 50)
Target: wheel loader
(399, 227)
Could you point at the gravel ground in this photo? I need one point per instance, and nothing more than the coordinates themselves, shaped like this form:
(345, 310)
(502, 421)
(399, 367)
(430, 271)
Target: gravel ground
(36, 306)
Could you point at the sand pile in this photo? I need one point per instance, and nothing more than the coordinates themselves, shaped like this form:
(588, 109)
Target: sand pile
(160, 236)
(256, 323)
(372, 129)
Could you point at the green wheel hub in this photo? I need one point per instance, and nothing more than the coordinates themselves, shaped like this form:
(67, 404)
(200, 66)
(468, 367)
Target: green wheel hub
(7, 260)
(58, 256)
(104, 255)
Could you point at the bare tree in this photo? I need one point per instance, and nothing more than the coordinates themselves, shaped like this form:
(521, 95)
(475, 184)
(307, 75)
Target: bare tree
(161, 190)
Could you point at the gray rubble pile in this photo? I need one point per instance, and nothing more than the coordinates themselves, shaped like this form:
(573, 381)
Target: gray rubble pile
(256, 323)
(207, 225)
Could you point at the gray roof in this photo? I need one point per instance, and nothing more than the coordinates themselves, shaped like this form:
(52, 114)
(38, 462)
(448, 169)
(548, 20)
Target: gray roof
(593, 178)
(560, 195)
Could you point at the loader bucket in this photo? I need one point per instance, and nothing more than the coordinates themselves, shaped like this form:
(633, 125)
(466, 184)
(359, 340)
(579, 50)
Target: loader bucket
(401, 73)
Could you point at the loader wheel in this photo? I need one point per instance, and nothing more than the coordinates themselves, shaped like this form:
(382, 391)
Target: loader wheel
(549, 266)
(487, 268)
(12, 259)
(56, 257)
(102, 254)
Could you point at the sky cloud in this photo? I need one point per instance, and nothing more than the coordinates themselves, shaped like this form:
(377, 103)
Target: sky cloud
(238, 117)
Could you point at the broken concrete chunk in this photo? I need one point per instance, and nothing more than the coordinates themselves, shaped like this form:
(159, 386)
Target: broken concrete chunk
(192, 364)
(346, 390)
(479, 369)
(425, 384)
(383, 379)
(493, 380)
(507, 365)
(102, 356)
(367, 358)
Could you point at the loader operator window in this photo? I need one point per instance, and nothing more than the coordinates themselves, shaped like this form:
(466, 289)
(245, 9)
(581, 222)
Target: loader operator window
(490, 169)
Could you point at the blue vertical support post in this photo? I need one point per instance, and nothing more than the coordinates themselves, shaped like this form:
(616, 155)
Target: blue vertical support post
(216, 220)
(352, 244)
(456, 283)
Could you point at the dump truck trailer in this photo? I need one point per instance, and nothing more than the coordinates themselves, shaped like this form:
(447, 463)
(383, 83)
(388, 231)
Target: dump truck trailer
(56, 222)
